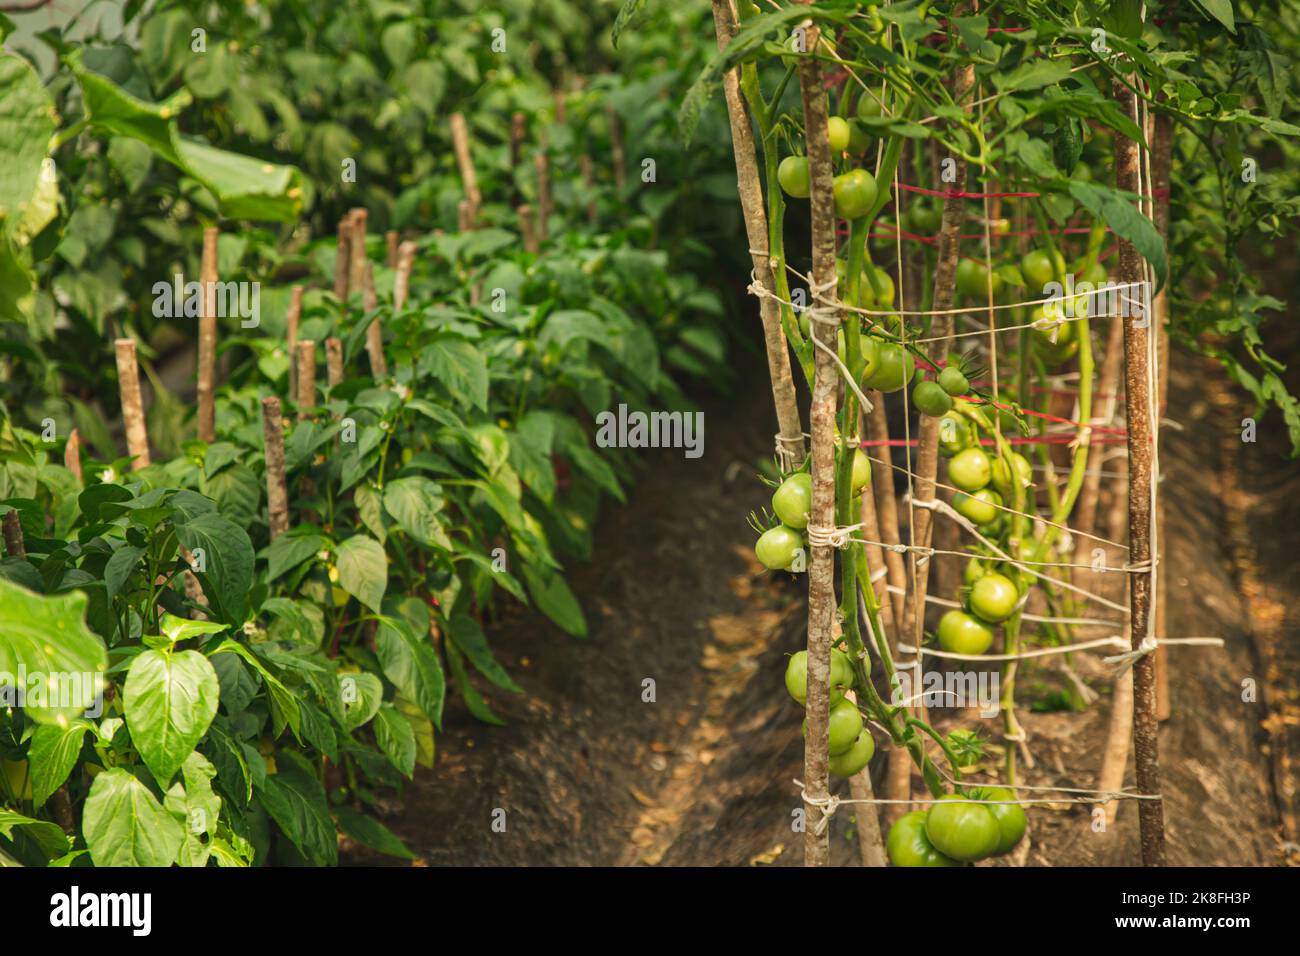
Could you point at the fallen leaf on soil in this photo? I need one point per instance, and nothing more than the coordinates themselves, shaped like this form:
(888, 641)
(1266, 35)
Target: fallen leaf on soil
(641, 798)
(768, 856)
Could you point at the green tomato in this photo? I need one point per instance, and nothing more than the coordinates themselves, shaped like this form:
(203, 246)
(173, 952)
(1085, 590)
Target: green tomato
(955, 434)
(841, 669)
(886, 283)
(972, 280)
(1096, 274)
(994, 597)
(1010, 817)
(970, 470)
(962, 831)
(952, 381)
(861, 471)
(974, 570)
(796, 676)
(869, 105)
(924, 218)
(855, 758)
(982, 507)
(859, 139)
(961, 633)
(837, 131)
(845, 724)
(930, 399)
(855, 193)
(794, 177)
(908, 844)
(792, 500)
(966, 747)
(1002, 474)
(1040, 267)
(778, 548)
(892, 369)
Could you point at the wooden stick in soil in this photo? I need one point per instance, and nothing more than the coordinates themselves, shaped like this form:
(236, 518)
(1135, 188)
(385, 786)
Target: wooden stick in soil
(333, 360)
(460, 144)
(789, 424)
(543, 167)
(1114, 758)
(291, 336)
(871, 846)
(207, 360)
(15, 546)
(518, 126)
(128, 383)
(465, 216)
(343, 259)
(405, 261)
(306, 378)
(390, 244)
(821, 514)
(526, 230)
(616, 135)
(72, 455)
(358, 223)
(1137, 397)
(277, 491)
(1162, 137)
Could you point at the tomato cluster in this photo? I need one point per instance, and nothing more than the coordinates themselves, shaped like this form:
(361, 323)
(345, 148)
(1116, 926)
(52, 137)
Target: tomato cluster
(851, 745)
(955, 830)
(783, 547)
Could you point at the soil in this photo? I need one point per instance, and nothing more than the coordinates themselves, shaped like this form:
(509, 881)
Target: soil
(591, 771)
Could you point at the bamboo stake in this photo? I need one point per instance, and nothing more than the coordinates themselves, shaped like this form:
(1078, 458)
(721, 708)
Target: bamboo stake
(72, 455)
(1114, 758)
(291, 338)
(390, 242)
(343, 259)
(882, 482)
(1136, 405)
(306, 378)
(542, 164)
(465, 215)
(358, 220)
(518, 125)
(460, 144)
(334, 360)
(207, 361)
(128, 383)
(789, 422)
(402, 276)
(1162, 140)
(821, 569)
(277, 490)
(616, 135)
(871, 847)
(13, 534)
(525, 213)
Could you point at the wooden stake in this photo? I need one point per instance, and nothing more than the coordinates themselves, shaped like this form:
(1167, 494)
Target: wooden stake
(277, 490)
(1137, 396)
(207, 362)
(334, 360)
(343, 259)
(13, 534)
(402, 276)
(616, 138)
(526, 230)
(460, 144)
(589, 183)
(128, 383)
(465, 216)
(72, 455)
(543, 167)
(357, 249)
(749, 184)
(291, 336)
(518, 125)
(561, 113)
(821, 515)
(390, 242)
(1114, 758)
(306, 378)
(1162, 140)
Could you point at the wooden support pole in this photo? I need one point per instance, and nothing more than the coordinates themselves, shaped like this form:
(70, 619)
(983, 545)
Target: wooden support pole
(13, 534)
(465, 216)
(207, 361)
(277, 490)
(72, 455)
(358, 220)
(402, 274)
(334, 360)
(616, 140)
(306, 378)
(128, 383)
(390, 245)
(526, 230)
(343, 259)
(1137, 407)
(518, 127)
(543, 167)
(1162, 143)
(460, 144)
(291, 334)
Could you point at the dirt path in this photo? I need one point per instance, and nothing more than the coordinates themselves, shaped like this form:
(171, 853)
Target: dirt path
(588, 773)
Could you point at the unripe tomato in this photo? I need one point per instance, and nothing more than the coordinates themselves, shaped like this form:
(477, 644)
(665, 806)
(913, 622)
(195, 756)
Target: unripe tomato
(952, 381)
(855, 192)
(1095, 273)
(837, 131)
(1002, 474)
(859, 139)
(892, 369)
(930, 399)
(908, 844)
(855, 758)
(981, 507)
(963, 831)
(972, 279)
(794, 177)
(970, 470)
(844, 726)
(861, 471)
(778, 547)
(924, 218)
(974, 570)
(994, 597)
(796, 676)
(955, 434)
(1040, 267)
(841, 669)
(1010, 817)
(869, 105)
(792, 500)
(960, 633)
(886, 297)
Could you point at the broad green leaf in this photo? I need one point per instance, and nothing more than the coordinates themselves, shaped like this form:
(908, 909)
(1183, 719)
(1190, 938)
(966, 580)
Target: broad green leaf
(170, 701)
(459, 367)
(53, 841)
(359, 695)
(468, 692)
(552, 595)
(120, 568)
(52, 755)
(396, 738)
(196, 808)
(363, 570)
(290, 550)
(124, 825)
(296, 802)
(411, 663)
(227, 555)
(470, 639)
(27, 121)
(47, 636)
(177, 629)
(1119, 212)
(370, 832)
(414, 504)
(245, 188)
(110, 106)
